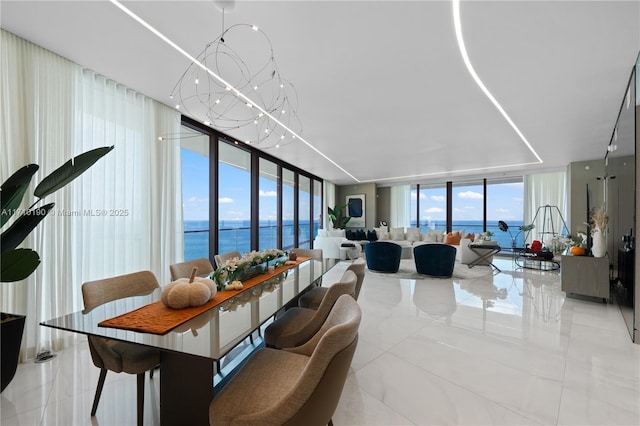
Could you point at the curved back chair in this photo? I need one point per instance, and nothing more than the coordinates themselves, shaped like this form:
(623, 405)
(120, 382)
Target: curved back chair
(296, 386)
(312, 298)
(297, 325)
(315, 254)
(223, 257)
(114, 355)
(183, 269)
(437, 260)
(383, 256)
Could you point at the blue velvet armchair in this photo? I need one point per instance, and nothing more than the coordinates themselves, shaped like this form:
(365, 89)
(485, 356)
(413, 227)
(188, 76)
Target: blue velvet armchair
(383, 256)
(436, 260)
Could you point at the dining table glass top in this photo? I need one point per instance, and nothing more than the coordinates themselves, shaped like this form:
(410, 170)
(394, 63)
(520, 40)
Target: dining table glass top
(213, 333)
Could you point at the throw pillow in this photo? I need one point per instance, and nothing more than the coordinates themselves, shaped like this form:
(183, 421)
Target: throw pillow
(470, 237)
(430, 237)
(452, 238)
(383, 235)
(372, 236)
(351, 235)
(413, 234)
(397, 236)
(361, 235)
(434, 236)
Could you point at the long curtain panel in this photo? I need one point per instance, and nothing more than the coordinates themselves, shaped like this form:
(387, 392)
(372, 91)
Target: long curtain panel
(329, 201)
(400, 208)
(545, 189)
(123, 215)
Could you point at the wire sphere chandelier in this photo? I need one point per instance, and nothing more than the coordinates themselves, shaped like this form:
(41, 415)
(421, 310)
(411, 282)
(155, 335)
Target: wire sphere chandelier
(240, 89)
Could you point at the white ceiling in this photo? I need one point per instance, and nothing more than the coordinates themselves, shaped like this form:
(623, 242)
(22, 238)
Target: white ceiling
(382, 87)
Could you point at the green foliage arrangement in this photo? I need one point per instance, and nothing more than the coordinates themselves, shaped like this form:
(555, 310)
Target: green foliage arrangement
(18, 263)
(337, 216)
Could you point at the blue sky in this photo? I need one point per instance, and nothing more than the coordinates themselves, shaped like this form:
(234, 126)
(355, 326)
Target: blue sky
(505, 200)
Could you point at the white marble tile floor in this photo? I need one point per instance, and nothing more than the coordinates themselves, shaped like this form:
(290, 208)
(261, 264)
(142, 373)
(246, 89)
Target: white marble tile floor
(506, 348)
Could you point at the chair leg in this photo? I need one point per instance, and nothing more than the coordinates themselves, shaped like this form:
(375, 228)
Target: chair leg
(96, 399)
(330, 422)
(140, 398)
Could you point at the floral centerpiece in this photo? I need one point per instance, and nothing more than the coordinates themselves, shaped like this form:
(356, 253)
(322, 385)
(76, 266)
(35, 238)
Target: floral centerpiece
(239, 269)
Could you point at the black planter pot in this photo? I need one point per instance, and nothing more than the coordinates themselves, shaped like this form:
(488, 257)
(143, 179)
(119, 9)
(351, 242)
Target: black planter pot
(11, 329)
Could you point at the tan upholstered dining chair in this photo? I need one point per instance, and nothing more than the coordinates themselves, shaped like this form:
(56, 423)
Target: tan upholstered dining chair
(312, 298)
(108, 354)
(183, 269)
(223, 257)
(296, 386)
(297, 325)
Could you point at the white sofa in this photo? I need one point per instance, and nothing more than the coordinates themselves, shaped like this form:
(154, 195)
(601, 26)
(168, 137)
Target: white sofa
(330, 241)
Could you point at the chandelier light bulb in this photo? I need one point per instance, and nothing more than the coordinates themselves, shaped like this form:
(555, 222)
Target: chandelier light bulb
(217, 101)
(197, 81)
(254, 27)
(266, 130)
(177, 106)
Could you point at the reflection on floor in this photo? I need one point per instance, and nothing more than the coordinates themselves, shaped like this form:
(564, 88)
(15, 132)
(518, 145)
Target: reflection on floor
(508, 349)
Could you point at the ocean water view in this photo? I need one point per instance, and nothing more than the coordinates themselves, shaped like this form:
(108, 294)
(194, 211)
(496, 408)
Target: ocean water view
(236, 235)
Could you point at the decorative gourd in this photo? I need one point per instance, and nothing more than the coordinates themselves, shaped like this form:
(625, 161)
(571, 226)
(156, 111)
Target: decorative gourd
(185, 292)
(578, 251)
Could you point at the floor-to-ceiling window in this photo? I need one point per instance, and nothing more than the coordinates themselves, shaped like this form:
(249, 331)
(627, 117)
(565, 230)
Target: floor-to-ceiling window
(474, 206)
(433, 207)
(304, 212)
(317, 206)
(234, 198)
(505, 201)
(195, 193)
(467, 205)
(268, 205)
(288, 209)
(240, 198)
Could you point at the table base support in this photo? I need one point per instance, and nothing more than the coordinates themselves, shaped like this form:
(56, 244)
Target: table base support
(181, 372)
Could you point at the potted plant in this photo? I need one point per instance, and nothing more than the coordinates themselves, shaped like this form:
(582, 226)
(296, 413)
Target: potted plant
(338, 219)
(18, 263)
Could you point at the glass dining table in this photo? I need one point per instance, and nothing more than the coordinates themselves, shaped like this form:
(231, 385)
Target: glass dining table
(190, 352)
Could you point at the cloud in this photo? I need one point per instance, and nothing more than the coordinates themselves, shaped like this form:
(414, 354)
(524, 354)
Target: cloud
(503, 211)
(439, 198)
(263, 193)
(225, 200)
(471, 195)
(197, 200)
(434, 210)
(414, 195)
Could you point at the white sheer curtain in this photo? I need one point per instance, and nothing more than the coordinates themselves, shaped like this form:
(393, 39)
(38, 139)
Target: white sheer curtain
(329, 201)
(123, 215)
(546, 189)
(400, 208)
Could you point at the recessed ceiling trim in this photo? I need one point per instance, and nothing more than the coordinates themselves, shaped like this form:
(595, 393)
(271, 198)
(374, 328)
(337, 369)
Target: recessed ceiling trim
(465, 57)
(433, 174)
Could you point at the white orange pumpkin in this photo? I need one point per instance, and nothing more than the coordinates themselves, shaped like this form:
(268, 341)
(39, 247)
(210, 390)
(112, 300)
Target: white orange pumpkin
(185, 292)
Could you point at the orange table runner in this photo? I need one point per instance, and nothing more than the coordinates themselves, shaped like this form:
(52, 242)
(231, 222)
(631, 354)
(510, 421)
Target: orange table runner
(156, 318)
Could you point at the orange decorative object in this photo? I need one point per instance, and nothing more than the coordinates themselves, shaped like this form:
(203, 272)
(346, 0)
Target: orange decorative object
(578, 251)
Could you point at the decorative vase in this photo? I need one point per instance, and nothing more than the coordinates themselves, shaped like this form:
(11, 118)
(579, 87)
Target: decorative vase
(11, 328)
(599, 245)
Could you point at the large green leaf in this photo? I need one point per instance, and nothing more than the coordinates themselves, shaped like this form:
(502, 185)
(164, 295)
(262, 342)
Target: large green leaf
(16, 265)
(19, 229)
(12, 191)
(69, 171)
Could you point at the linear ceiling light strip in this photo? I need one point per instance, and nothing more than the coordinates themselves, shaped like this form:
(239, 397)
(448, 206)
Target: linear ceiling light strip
(222, 81)
(467, 62)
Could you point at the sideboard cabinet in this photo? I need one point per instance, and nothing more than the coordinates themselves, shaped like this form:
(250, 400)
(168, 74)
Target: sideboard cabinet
(585, 276)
